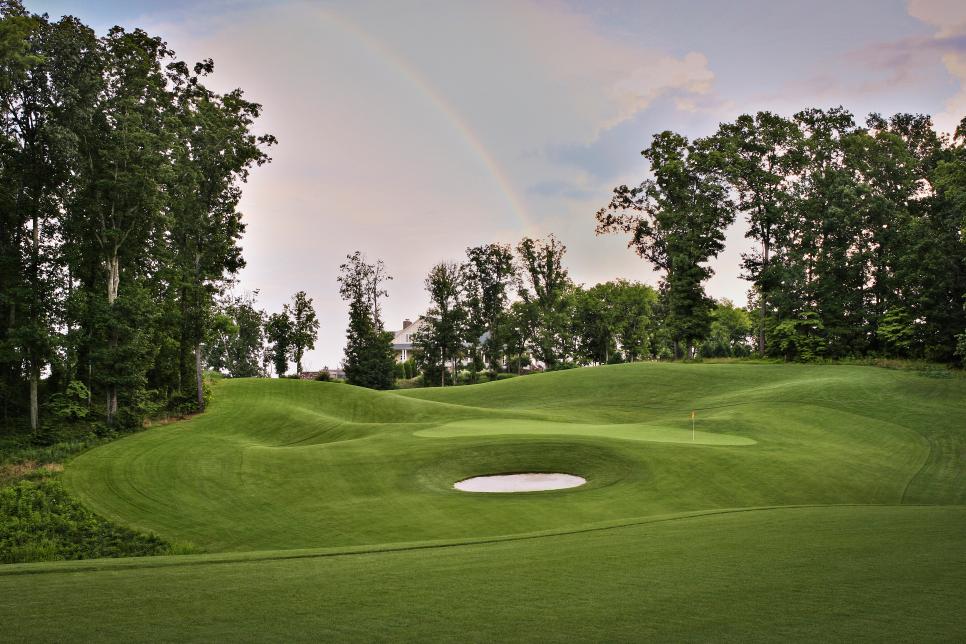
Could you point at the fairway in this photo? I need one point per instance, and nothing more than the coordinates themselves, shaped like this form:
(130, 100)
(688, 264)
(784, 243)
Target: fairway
(798, 510)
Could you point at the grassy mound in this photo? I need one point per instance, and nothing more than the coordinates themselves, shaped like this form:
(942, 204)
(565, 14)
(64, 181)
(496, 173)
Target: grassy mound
(289, 476)
(288, 464)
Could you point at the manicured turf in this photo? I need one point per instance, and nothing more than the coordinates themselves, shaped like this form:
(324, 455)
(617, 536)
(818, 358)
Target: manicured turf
(626, 431)
(848, 574)
(279, 469)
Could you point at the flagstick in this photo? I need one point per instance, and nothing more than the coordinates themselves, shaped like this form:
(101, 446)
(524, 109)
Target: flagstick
(692, 426)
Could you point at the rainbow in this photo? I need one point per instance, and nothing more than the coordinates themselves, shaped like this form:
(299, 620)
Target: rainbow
(414, 77)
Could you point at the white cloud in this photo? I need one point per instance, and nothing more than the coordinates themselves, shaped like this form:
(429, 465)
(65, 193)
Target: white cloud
(949, 19)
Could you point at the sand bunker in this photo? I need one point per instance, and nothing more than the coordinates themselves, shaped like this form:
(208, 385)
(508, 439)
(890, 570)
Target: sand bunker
(519, 482)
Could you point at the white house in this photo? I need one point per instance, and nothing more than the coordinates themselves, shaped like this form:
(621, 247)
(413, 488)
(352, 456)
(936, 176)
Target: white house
(402, 340)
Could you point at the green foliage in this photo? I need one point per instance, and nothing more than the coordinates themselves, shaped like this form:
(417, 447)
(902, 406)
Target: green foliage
(897, 332)
(72, 405)
(439, 344)
(859, 226)
(543, 321)
(614, 315)
(369, 359)
(120, 225)
(39, 521)
(236, 338)
(278, 332)
(304, 328)
(409, 369)
(489, 273)
(800, 338)
(676, 221)
(760, 155)
(729, 333)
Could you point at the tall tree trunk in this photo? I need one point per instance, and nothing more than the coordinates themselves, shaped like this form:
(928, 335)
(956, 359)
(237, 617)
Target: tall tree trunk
(34, 380)
(201, 389)
(113, 282)
(199, 333)
(183, 344)
(762, 300)
(34, 359)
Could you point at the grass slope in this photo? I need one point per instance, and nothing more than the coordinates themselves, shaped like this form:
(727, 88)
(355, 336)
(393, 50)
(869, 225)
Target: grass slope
(318, 468)
(861, 574)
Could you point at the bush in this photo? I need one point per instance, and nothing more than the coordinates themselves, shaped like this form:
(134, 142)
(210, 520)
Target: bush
(40, 522)
(324, 376)
(71, 405)
(410, 368)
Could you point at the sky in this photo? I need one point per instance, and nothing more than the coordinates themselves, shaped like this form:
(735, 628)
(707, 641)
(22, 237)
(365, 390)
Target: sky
(412, 130)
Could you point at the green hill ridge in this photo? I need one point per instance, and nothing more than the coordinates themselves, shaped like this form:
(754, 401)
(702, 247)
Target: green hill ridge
(801, 480)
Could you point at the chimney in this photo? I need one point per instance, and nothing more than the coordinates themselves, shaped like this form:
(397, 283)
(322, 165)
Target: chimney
(407, 323)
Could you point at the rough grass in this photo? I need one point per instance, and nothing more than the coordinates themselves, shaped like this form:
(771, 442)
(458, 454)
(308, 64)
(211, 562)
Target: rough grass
(282, 472)
(39, 521)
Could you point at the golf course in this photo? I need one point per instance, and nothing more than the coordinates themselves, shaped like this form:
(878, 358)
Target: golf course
(806, 502)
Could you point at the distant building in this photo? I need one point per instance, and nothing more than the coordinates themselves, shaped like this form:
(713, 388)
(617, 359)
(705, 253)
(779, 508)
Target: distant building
(314, 375)
(402, 340)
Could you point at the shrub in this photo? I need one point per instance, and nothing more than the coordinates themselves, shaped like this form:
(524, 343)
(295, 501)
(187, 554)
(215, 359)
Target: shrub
(71, 405)
(40, 522)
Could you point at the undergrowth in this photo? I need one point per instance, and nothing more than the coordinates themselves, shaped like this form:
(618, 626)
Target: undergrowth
(39, 521)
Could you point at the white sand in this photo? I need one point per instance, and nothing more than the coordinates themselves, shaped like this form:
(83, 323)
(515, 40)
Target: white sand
(519, 483)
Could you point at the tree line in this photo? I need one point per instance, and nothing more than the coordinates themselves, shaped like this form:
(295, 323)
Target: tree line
(506, 309)
(121, 175)
(120, 179)
(859, 231)
(860, 252)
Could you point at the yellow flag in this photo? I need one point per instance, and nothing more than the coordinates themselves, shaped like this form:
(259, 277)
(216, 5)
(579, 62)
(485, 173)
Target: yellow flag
(692, 415)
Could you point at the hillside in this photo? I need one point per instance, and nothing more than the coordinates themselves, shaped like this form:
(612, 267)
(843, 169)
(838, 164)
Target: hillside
(287, 478)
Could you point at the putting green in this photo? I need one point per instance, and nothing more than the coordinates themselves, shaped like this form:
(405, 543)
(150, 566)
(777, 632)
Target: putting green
(623, 431)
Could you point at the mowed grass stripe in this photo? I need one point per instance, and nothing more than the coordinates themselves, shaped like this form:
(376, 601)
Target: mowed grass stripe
(848, 574)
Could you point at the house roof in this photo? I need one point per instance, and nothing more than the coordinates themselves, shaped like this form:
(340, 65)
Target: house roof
(403, 339)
